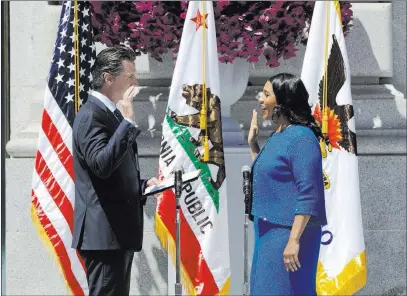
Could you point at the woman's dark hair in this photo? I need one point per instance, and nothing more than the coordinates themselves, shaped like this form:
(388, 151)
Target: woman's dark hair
(292, 101)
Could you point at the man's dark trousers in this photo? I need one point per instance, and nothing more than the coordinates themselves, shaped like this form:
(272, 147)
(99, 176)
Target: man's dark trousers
(108, 272)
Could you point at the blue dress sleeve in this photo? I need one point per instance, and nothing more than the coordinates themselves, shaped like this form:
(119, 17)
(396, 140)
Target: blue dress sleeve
(306, 164)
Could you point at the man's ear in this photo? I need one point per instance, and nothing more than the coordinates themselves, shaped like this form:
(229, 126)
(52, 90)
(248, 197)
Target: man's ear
(108, 78)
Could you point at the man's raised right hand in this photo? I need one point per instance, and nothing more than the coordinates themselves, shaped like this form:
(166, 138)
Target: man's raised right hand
(127, 103)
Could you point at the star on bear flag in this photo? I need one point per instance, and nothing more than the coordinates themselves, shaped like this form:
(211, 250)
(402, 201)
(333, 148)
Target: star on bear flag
(200, 20)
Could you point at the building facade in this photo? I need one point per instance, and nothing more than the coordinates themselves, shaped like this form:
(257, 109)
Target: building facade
(377, 55)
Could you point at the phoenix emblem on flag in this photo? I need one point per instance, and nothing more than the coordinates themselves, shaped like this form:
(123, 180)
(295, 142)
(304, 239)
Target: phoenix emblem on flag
(193, 96)
(339, 135)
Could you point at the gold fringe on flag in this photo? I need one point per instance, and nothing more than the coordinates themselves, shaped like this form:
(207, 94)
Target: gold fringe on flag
(48, 245)
(351, 279)
(168, 243)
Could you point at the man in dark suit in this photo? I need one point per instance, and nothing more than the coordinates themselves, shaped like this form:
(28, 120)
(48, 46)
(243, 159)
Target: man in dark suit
(108, 214)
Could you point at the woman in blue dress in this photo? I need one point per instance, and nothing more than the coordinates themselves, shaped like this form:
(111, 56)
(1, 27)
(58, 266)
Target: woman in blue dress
(288, 206)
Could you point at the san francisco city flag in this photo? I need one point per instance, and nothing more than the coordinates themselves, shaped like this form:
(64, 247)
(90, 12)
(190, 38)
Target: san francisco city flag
(326, 74)
(192, 138)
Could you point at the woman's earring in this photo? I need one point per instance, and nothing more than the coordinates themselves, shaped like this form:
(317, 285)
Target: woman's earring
(276, 114)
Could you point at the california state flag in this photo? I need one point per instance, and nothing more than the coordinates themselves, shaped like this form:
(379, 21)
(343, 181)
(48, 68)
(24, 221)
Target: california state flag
(342, 259)
(193, 121)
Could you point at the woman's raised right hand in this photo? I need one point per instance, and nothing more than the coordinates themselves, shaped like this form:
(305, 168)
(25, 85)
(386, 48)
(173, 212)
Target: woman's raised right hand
(254, 129)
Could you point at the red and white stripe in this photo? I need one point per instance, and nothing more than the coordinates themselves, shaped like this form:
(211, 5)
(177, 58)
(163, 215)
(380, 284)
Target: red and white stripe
(53, 192)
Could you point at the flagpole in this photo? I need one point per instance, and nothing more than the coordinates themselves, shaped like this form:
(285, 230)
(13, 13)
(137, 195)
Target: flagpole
(76, 57)
(178, 190)
(324, 107)
(203, 114)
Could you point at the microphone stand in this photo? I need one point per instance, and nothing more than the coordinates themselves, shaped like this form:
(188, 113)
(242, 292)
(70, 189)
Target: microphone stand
(178, 191)
(245, 251)
(247, 193)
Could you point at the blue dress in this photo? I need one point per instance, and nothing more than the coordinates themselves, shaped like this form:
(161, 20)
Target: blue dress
(287, 181)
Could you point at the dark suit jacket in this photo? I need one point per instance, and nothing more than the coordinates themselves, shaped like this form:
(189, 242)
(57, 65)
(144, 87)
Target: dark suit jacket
(108, 211)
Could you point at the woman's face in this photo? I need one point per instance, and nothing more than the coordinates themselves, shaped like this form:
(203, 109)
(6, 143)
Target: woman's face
(267, 100)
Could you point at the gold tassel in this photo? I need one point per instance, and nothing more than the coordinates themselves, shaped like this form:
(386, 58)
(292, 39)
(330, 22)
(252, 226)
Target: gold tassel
(327, 183)
(203, 114)
(325, 122)
(202, 120)
(203, 123)
(324, 132)
(206, 149)
(323, 147)
(329, 147)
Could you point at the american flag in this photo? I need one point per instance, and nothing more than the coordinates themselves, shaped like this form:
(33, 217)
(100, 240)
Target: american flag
(53, 189)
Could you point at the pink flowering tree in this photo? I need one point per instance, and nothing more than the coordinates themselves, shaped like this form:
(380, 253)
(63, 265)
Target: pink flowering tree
(245, 29)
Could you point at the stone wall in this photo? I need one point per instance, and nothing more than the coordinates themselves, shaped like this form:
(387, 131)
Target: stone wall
(399, 44)
(376, 53)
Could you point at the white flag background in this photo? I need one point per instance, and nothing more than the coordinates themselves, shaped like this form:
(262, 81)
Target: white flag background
(342, 266)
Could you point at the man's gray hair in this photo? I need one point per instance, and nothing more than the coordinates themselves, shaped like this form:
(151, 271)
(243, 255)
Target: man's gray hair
(109, 60)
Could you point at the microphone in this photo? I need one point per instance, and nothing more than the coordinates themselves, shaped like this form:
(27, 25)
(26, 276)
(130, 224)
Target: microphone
(178, 171)
(246, 181)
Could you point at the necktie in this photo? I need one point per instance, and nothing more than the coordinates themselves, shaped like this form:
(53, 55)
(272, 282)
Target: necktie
(118, 115)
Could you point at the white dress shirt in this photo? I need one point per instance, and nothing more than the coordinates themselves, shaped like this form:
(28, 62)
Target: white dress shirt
(108, 103)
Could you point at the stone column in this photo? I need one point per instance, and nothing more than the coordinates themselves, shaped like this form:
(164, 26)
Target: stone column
(399, 45)
(33, 29)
